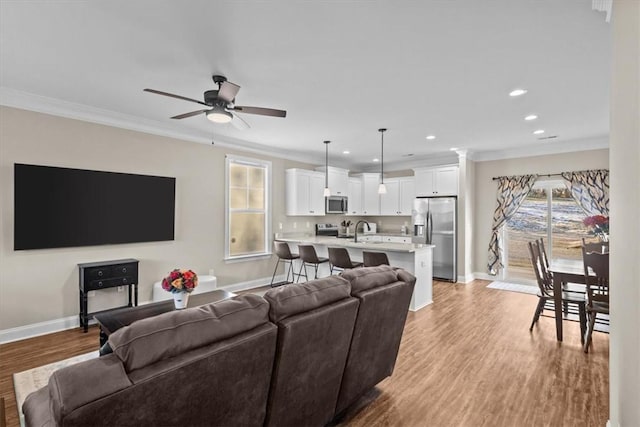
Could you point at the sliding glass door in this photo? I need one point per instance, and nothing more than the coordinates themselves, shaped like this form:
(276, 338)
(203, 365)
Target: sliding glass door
(548, 212)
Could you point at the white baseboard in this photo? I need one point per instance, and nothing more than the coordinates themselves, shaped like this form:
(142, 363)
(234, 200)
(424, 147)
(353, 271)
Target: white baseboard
(57, 325)
(485, 276)
(37, 329)
(466, 278)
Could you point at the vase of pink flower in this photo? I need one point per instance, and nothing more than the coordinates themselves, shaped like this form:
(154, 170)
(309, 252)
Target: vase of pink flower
(180, 283)
(599, 225)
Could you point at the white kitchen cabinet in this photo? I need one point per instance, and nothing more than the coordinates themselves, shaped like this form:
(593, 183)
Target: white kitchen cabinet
(407, 195)
(370, 196)
(399, 197)
(338, 180)
(440, 181)
(389, 200)
(396, 239)
(304, 193)
(355, 196)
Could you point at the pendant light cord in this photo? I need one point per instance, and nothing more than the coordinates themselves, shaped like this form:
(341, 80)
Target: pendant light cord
(326, 164)
(382, 131)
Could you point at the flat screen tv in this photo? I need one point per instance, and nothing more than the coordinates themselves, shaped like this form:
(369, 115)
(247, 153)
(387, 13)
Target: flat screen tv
(60, 207)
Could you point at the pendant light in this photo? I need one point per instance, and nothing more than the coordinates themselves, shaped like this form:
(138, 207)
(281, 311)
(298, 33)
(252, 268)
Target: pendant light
(382, 189)
(327, 192)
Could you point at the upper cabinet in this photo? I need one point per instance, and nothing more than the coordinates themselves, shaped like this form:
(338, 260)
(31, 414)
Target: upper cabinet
(370, 196)
(304, 192)
(355, 196)
(437, 181)
(338, 180)
(399, 197)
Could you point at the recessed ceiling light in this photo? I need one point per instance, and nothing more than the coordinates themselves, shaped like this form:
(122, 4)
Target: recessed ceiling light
(517, 92)
(453, 149)
(376, 160)
(538, 132)
(531, 117)
(431, 137)
(346, 152)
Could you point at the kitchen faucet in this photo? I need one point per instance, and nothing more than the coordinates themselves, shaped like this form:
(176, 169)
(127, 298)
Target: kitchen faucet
(355, 237)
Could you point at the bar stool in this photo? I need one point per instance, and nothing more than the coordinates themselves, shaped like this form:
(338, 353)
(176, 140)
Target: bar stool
(374, 259)
(308, 255)
(339, 258)
(284, 254)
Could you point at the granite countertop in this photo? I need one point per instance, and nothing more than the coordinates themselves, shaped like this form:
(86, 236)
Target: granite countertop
(349, 243)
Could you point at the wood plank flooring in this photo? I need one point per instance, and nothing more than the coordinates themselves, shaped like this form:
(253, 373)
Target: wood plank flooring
(466, 360)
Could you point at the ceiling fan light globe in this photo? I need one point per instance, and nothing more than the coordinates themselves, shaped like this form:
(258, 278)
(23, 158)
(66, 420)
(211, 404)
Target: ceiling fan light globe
(219, 116)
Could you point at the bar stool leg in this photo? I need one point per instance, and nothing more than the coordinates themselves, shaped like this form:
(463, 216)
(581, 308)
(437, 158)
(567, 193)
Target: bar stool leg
(274, 272)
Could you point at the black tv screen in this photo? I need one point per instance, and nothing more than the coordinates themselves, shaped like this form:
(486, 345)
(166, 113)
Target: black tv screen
(60, 207)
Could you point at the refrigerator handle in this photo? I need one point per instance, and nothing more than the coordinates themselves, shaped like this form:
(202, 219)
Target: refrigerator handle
(430, 227)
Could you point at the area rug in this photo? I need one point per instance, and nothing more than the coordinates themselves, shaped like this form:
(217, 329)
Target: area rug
(514, 287)
(28, 381)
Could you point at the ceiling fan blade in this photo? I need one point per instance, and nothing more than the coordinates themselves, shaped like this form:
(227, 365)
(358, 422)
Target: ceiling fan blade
(228, 91)
(191, 114)
(262, 111)
(184, 98)
(239, 123)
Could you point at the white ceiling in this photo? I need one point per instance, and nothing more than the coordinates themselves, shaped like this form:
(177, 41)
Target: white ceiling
(340, 69)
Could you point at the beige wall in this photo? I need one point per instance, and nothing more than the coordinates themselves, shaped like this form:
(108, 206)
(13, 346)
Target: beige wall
(42, 285)
(485, 188)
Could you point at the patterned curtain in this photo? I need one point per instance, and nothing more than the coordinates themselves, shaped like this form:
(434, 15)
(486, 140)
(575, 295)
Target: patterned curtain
(512, 191)
(590, 189)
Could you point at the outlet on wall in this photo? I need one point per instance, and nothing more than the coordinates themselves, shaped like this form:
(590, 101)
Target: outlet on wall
(120, 288)
(280, 225)
(308, 224)
(295, 225)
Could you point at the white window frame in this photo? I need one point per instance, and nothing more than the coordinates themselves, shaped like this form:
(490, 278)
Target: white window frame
(229, 159)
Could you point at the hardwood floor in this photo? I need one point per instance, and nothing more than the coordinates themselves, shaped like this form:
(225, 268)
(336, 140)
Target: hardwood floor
(466, 360)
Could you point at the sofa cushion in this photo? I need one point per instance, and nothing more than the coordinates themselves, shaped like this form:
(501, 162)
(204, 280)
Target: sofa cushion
(362, 279)
(286, 301)
(36, 409)
(160, 337)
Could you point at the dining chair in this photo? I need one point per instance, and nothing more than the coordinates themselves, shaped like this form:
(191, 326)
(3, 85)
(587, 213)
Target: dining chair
(374, 259)
(339, 258)
(602, 247)
(284, 254)
(597, 288)
(545, 294)
(575, 288)
(308, 256)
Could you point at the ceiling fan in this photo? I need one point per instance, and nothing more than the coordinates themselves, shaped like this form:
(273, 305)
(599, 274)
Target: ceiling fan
(221, 105)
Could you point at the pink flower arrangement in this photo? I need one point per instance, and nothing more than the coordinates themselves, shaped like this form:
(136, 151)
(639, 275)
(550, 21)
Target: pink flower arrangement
(599, 224)
(180, 281)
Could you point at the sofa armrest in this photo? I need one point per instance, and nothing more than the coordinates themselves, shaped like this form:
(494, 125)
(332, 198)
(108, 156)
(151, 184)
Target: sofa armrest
(85, 382)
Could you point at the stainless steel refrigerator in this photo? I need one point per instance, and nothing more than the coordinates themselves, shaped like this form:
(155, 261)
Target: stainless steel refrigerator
(433, 221)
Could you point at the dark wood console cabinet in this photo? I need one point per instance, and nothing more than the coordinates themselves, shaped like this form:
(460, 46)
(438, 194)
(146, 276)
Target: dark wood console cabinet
(107, 274)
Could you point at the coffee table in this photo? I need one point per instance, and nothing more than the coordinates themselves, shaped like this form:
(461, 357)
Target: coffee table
(113, 320)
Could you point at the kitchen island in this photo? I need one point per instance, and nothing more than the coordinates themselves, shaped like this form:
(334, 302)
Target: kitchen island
(415, 258)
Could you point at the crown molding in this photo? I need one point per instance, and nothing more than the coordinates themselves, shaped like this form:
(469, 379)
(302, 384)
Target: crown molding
(545, 148)
(10, 97)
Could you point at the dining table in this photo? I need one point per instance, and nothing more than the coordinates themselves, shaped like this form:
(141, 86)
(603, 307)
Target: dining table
(564, 271)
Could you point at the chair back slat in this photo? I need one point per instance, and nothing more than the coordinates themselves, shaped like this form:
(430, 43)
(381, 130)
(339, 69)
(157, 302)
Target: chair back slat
(542, 274)
(598, 282)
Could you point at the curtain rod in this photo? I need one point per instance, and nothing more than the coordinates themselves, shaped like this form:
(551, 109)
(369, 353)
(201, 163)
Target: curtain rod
(548, 175)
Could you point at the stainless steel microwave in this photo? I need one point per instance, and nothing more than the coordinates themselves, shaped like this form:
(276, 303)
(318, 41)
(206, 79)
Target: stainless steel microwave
(336, 205)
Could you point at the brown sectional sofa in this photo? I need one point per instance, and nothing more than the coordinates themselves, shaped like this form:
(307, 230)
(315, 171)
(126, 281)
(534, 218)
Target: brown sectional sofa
(299, 356)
